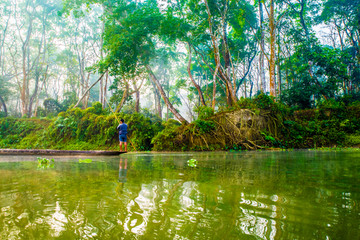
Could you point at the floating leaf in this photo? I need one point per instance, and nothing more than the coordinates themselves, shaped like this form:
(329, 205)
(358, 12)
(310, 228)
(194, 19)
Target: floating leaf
(88, 160)
(45, 163)
(192, 162)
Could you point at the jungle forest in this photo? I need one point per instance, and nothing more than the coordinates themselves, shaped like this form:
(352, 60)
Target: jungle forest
(183, 74)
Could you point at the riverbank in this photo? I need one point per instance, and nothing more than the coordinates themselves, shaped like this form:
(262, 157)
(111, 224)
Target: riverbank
(254, 124)
(262, 123)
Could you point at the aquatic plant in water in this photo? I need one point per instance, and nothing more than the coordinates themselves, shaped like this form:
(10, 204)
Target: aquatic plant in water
(45, 163)
(192, 162)
(88, 160)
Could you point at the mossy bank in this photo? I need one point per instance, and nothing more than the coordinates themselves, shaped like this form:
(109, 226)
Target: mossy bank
(261, 123)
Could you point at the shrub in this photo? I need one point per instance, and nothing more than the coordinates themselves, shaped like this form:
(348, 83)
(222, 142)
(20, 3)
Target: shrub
(203, 126)
(165, 140)
(204, 112)
(352, 140)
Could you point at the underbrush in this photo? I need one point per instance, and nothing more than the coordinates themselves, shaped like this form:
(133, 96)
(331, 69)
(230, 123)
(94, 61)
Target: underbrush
(252, 124)
(262, 123)
(13, 131)
(87, 129)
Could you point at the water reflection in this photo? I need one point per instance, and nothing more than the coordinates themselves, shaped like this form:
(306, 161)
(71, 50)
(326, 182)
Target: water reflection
(122, 175)
(122, 170)
(290, 195)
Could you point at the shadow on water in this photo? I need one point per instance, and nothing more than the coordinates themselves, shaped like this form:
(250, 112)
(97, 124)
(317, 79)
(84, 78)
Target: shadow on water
(247, 195)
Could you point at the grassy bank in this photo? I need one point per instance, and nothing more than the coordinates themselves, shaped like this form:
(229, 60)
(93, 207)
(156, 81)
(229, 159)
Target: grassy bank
(259, 123)
(76, 129)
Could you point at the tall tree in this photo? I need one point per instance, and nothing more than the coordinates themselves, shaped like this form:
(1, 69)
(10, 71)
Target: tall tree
(216, 30)
(346, 14)
(30, 46)
(130, 43)
(262, 47)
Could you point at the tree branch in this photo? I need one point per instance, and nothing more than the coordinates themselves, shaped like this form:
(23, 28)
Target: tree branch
(86, 92)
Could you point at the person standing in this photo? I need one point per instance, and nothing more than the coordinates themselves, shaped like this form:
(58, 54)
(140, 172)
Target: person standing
(122, 128)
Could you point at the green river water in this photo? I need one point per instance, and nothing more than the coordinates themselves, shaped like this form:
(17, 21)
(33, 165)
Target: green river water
(240, 195)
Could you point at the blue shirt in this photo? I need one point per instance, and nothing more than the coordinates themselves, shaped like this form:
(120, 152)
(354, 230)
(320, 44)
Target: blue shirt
(122, 128)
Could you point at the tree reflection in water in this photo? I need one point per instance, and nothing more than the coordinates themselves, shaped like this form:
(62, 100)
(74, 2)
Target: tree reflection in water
(251, 195)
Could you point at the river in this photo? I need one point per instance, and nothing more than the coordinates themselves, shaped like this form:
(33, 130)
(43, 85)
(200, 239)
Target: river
(221, 195)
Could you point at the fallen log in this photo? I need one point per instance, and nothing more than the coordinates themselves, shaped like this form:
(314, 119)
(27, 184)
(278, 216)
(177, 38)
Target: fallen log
(57, 152)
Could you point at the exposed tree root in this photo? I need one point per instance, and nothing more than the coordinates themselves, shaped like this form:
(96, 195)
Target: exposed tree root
(242, 128)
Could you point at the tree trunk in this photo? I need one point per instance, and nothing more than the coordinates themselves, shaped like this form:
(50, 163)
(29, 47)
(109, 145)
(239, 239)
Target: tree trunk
(202, 100)
(37, 98)
(88, 90)
(39, 68)
(225, 77)
(278, 67)
(3, 106)
(88, 94)
(245, 83)
(104, 92)
(251, 88)
(2, 44)
(227, 60)
(123, 99)
(101, 94)
(262, 43)
(157, 98)
(35, 93)
(272, 49)
(137, 97)
(158, 104)
(137, 101)
(279, 78)
(33, 97)
(24, 89)
(213, 102)
(165, 98)
(302, 20)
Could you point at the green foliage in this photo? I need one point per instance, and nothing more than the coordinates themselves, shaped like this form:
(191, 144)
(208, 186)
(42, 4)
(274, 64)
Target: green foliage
(331, 104)
(14, 130)
(333, 124)
(44, 163)
(79, 129)
(330, 125)
(299, 94)
(203, 126)
(349, 99)
(204, 112)
(192, 162)
(166, 139)
(83, 126)
(88, 160)
(352, 140)
(97, 108)
(52, 107)
(142, 130)
(44, 160)
(246, 103)
(317, 73)
(3, 114)
(265, 103)
(70, 99)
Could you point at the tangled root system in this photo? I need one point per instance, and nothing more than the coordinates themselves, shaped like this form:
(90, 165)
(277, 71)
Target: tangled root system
(242, 128)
